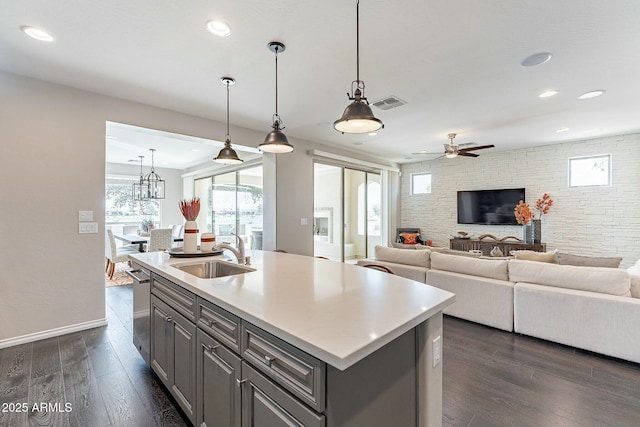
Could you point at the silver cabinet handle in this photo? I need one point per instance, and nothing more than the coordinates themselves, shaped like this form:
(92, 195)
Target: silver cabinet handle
(169, 319)
(269, 360)
(239, 382)
(210, 348)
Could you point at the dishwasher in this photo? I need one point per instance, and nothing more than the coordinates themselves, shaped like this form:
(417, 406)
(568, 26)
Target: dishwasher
(141, 309)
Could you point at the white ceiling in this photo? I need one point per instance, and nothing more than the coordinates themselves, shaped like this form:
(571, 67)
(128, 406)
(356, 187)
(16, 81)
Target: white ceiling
(456, 64)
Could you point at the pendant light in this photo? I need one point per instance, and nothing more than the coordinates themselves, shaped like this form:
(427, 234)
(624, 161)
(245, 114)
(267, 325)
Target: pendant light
(155, 184)
(357, 117)
(227, 156)
(276, 141)
(140, 188)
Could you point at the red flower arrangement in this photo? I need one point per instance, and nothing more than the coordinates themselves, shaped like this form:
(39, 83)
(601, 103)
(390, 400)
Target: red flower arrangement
(190, 208)
(523, 213)
(543, 204)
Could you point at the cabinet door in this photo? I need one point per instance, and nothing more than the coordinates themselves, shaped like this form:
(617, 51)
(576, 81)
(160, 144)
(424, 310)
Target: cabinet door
(183, 385)
(265, 404)
(161, 341)
(217, 384)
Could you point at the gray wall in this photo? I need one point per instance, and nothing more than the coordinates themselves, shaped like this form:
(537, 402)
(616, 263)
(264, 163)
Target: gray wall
(601, 221)
(52, 164)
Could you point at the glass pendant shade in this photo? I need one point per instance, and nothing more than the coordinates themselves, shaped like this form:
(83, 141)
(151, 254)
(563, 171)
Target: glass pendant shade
(276, 141)
(227, 156)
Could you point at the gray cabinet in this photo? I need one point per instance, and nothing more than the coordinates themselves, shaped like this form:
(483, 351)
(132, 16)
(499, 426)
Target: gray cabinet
(224, 371)
(217, 384)
(173, 350)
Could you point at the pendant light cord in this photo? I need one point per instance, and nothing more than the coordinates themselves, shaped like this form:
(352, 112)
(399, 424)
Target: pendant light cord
(277, 117)
(227, 137)
(358, 41)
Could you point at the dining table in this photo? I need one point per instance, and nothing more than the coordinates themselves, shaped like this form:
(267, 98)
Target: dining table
(136, 239)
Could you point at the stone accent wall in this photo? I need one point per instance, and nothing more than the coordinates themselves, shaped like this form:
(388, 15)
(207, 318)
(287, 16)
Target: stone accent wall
(598, 221)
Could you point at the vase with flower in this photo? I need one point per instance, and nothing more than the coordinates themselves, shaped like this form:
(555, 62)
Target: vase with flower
(532, 231)
(190, 209)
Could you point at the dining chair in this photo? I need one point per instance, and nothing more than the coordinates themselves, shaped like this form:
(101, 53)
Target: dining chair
(379, 267)
(114, 254)
(159, 239)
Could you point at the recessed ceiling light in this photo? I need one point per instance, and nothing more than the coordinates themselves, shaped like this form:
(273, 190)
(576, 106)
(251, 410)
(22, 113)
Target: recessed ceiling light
(219, 28)
(37, 33)
(372, 133)
(591, 94)
(562, 130)
(114, 137)
(536, 59)
(548, 94)
(195, 150)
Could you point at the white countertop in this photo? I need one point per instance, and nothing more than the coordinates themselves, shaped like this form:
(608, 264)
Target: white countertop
(338, 313)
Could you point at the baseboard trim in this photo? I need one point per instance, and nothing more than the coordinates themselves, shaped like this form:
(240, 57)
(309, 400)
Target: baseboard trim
(10, 342)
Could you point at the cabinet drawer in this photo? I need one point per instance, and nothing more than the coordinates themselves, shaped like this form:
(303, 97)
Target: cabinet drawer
(177, 297)
(220, 324)
(266, 404)
(300, 373)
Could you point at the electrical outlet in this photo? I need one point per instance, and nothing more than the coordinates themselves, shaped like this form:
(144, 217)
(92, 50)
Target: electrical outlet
(437, 350)
(304, 221)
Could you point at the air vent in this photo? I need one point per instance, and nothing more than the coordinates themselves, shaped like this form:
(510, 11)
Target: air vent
(389, 102)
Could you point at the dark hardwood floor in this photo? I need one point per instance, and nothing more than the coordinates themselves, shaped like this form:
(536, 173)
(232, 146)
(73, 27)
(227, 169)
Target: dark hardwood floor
(97, 372)
(491, 378)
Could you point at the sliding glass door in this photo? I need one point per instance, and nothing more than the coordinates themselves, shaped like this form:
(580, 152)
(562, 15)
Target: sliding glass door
(347, 212)
(232, 203)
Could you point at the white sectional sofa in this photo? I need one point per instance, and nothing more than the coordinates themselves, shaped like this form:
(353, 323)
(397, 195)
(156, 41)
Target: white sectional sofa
(593, 308)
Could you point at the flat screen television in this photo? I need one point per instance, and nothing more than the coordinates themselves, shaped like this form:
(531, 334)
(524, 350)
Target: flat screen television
(489, 206)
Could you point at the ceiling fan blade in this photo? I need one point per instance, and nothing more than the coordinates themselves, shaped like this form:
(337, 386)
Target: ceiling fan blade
(480, 147)
(466, 143)
(464, 153)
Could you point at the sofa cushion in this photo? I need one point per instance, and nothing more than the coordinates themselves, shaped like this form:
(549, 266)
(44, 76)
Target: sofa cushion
(634, 276)
(612, 281)
(492, 269)
(588, 261)
(403, 256)
(455, 252)
(550, 257)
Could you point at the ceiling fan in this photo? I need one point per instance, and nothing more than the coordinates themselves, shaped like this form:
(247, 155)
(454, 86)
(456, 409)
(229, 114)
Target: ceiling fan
(452, 150)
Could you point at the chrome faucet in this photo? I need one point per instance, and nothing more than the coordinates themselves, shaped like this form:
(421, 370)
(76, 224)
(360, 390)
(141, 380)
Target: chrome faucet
(239, 252)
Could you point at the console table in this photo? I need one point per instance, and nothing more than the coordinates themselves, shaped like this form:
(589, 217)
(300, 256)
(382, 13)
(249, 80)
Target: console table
(486, 245)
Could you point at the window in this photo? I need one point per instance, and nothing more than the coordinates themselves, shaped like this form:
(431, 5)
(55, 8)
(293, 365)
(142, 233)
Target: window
(232, 202)
(590, 171)
(122, 212)
(420, 183)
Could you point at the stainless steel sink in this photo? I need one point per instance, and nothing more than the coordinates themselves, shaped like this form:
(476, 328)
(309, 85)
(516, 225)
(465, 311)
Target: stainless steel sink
(211, 269)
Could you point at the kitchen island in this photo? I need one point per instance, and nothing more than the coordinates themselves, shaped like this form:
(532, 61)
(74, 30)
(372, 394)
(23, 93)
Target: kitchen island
(296, 341)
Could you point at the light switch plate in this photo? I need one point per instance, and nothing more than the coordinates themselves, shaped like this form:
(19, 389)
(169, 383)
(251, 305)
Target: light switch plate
(304, 221)
(88, 227)
(85, 216)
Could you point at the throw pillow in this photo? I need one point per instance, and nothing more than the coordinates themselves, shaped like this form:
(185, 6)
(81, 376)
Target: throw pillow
(551, 257)
(409, 238)
(588, 261)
